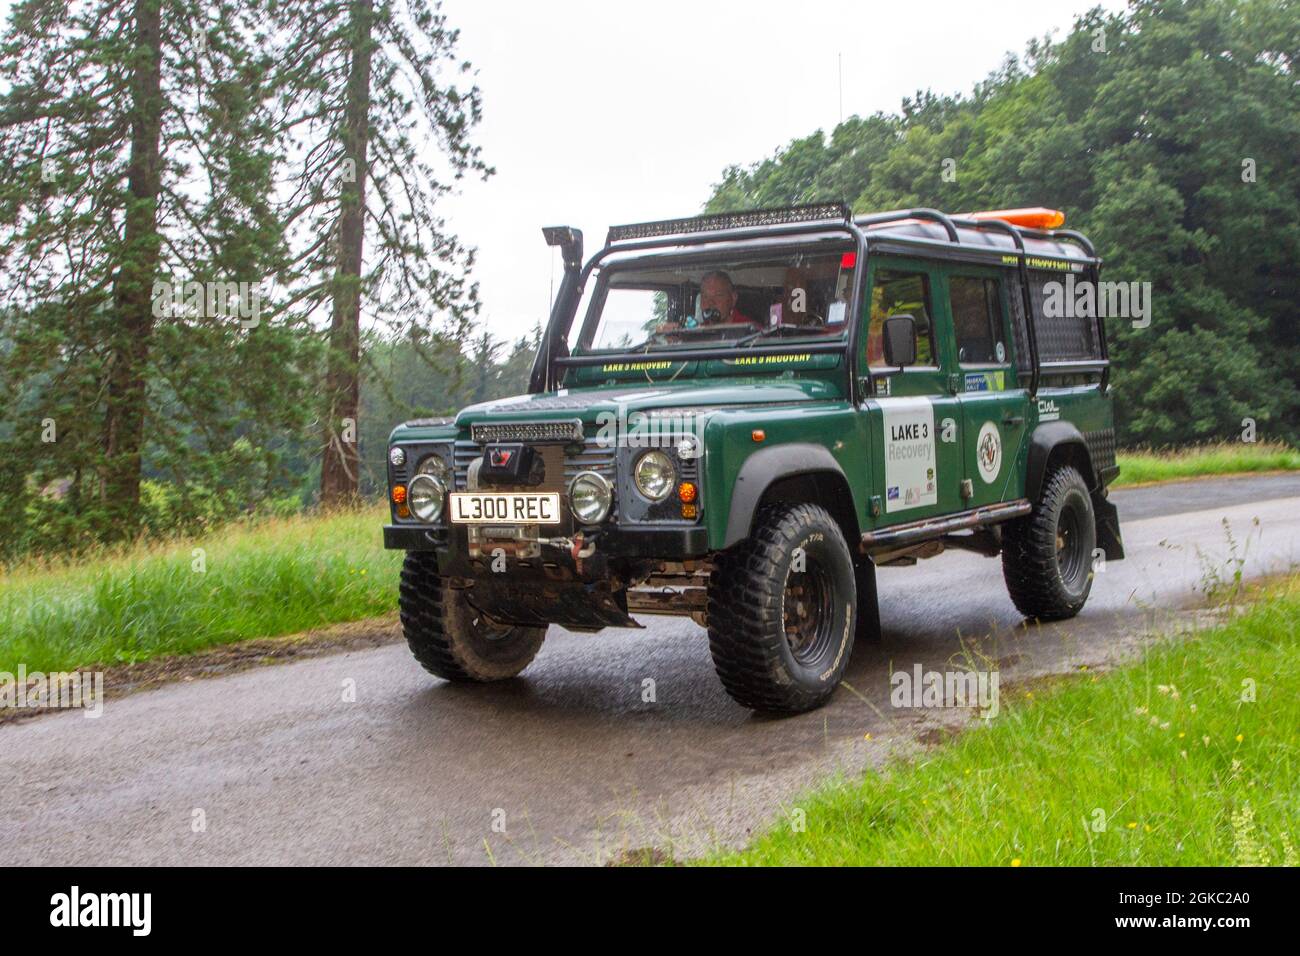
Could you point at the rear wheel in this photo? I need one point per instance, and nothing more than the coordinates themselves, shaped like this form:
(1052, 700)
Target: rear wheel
(452, 639)
(1047, 555)
(782, 608)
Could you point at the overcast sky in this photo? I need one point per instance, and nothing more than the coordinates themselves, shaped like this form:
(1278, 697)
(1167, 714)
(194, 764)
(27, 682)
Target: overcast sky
(597, 113)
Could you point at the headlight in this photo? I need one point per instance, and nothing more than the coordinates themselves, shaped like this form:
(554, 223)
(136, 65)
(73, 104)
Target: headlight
(655, 475)
(425, 496)
(590, 497)
(396, 456)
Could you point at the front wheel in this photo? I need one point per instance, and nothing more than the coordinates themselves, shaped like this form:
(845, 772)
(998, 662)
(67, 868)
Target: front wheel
(1047, 555)
(782, 608)
(449, 637)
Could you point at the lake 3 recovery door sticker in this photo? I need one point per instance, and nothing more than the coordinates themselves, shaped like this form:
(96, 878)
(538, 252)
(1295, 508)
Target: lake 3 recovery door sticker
(910, 480)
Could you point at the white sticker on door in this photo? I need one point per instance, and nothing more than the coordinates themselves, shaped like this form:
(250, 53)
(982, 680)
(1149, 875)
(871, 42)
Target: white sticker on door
(988, 452)
(910, 479)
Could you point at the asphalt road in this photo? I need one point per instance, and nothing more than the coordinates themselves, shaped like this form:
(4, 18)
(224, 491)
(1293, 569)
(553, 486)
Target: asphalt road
(570, 762)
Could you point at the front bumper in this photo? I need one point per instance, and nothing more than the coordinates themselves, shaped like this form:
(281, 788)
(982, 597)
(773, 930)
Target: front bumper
(585, 591)
(669, 544)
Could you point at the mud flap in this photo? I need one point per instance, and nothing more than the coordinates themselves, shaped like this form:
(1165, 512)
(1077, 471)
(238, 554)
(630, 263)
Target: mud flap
(1108, 538)
(868, 626)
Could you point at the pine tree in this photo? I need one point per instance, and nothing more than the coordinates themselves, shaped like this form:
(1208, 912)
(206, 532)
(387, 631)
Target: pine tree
(134, 161)
(377, 134)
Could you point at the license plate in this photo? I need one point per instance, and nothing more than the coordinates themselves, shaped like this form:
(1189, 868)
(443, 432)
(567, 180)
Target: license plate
(472, 507)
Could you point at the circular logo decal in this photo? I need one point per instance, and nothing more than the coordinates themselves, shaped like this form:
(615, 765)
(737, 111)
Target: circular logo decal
(988, 452)
(1001, 352)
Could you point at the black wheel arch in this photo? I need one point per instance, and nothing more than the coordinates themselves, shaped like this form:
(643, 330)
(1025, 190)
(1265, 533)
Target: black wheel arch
(794, 472)
(1053, 444)
(1060, 443)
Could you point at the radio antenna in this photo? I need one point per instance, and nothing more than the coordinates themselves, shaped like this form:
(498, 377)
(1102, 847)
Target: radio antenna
(840, 58)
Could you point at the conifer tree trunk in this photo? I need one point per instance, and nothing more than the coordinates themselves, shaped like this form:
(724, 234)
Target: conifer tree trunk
(339, 466)
(132, 328)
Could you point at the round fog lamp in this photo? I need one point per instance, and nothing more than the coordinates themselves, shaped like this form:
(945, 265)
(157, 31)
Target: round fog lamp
(425, 496)
(654, 475)
(396, 457)
(590, 497)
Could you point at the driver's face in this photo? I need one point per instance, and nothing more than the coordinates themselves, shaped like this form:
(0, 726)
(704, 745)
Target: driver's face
(717, 293)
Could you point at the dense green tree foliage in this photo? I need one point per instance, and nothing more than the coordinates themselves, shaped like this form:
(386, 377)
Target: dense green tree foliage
(203, 205)
(1170, 135)
(136, 158)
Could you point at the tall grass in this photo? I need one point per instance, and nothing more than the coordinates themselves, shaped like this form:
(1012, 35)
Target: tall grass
(1162, 763)
(273, 577)
(1230, 458)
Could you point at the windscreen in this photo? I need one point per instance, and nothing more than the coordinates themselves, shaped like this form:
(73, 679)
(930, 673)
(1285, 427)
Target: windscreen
(672, 303)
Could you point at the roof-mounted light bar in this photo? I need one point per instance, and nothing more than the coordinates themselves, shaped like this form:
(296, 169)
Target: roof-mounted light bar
(749, 218)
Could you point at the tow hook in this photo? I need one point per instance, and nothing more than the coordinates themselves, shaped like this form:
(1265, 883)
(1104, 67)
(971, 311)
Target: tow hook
(579, 552)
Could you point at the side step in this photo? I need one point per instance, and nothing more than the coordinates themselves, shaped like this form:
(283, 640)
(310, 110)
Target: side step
(887, 539)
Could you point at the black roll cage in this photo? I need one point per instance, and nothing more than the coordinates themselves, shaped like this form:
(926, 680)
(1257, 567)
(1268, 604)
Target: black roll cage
(660, 236)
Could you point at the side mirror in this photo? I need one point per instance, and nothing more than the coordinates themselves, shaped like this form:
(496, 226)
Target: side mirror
(900, 341)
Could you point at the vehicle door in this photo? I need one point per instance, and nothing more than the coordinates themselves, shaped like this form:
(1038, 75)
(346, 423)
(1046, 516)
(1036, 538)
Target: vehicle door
(913, 419)
(992, 400)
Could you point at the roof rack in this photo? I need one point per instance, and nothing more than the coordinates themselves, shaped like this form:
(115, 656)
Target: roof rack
(898, 215)
(746, 219)
(950, 224)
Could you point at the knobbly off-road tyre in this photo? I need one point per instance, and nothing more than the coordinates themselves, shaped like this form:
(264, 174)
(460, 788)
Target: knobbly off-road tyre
(1047, 555)
(780, 637)
(449, 637)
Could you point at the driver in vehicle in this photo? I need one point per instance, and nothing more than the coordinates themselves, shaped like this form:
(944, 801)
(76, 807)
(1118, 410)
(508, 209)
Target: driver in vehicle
(718, 299)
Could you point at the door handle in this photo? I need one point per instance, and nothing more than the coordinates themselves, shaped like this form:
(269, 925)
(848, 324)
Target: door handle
(1013, 420)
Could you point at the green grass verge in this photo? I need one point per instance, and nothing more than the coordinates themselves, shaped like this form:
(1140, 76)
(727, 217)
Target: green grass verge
(1182, 771)
(1140, 467)
(274, 577)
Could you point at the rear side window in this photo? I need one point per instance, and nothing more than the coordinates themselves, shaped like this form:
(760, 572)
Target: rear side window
(1068, 337)
(894, 292)
(977, 320)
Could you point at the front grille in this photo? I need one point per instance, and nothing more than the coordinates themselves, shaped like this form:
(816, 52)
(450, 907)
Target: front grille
(593, 457)
(465, 452)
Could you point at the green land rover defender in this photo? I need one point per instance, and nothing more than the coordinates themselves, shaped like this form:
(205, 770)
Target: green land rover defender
(738, 417)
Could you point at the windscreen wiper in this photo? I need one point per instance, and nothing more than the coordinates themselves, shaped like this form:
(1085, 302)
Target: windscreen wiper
(773, 330)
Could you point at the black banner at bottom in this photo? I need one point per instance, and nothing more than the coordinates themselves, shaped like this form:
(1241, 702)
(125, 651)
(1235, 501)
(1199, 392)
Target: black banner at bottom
(331, 905)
